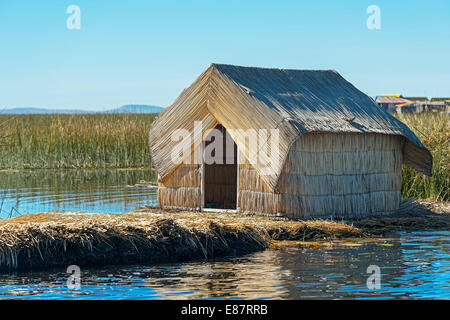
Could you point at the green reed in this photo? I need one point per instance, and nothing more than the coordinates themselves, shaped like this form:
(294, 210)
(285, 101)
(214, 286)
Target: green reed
(75, 141)
(433, 130)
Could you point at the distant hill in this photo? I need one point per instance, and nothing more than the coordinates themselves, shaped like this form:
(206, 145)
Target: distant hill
(136, 108)
(129, 108)
(41, 111)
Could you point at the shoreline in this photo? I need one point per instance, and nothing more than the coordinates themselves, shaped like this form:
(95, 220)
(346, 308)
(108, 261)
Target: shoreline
(150, 235)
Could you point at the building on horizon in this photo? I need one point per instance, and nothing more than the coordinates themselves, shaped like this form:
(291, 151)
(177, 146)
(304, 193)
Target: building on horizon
(389, 102)
(396, 103)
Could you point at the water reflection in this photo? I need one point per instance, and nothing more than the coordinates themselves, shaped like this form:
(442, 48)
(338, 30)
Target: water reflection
(416, 265)
(258, 276)
(108, 190)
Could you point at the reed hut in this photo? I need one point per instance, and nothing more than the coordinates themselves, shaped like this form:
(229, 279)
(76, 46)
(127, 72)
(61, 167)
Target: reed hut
(338, 154)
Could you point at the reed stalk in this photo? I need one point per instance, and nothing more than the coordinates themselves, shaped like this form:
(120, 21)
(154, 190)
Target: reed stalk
(433, 130)
(75, 141)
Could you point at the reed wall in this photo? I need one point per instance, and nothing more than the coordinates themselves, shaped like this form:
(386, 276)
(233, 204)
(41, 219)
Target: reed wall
(182, 188)
(341, 175)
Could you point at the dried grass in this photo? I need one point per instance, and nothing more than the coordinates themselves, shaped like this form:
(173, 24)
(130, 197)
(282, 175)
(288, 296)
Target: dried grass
(53, 239)
(412, 216)
(152, 235)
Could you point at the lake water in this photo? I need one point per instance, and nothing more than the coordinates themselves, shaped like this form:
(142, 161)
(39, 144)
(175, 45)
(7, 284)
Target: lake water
(109, 190)
(414, 265)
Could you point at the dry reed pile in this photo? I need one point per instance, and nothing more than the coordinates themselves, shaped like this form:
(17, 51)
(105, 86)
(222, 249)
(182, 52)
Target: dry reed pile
(152, 235)
(412, 216)
(46, 240)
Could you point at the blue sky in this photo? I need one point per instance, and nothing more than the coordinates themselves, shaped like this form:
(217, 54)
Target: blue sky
(147, 51)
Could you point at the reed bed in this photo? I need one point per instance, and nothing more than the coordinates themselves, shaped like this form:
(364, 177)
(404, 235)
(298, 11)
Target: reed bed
(75, 141)
(434, 131)
(152, 235)
(412, 216)
(53, 239)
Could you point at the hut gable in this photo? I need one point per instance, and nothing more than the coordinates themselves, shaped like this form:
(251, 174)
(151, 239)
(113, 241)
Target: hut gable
(294, 101)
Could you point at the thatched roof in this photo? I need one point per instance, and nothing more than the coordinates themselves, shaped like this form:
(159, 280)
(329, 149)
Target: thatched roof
(294, 101)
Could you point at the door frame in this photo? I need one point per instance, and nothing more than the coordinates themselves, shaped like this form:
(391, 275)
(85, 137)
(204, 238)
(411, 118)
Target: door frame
(202, 184)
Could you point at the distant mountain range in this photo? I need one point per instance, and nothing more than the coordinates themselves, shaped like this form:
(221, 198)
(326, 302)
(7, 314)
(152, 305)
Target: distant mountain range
(136, 108)
(129, 108)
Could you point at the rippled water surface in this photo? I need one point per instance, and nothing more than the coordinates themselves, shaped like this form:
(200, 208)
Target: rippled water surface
(413, 266)
(109, 190)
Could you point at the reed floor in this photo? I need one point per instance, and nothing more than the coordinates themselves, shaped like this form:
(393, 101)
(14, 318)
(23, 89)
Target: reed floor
(152, 235)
